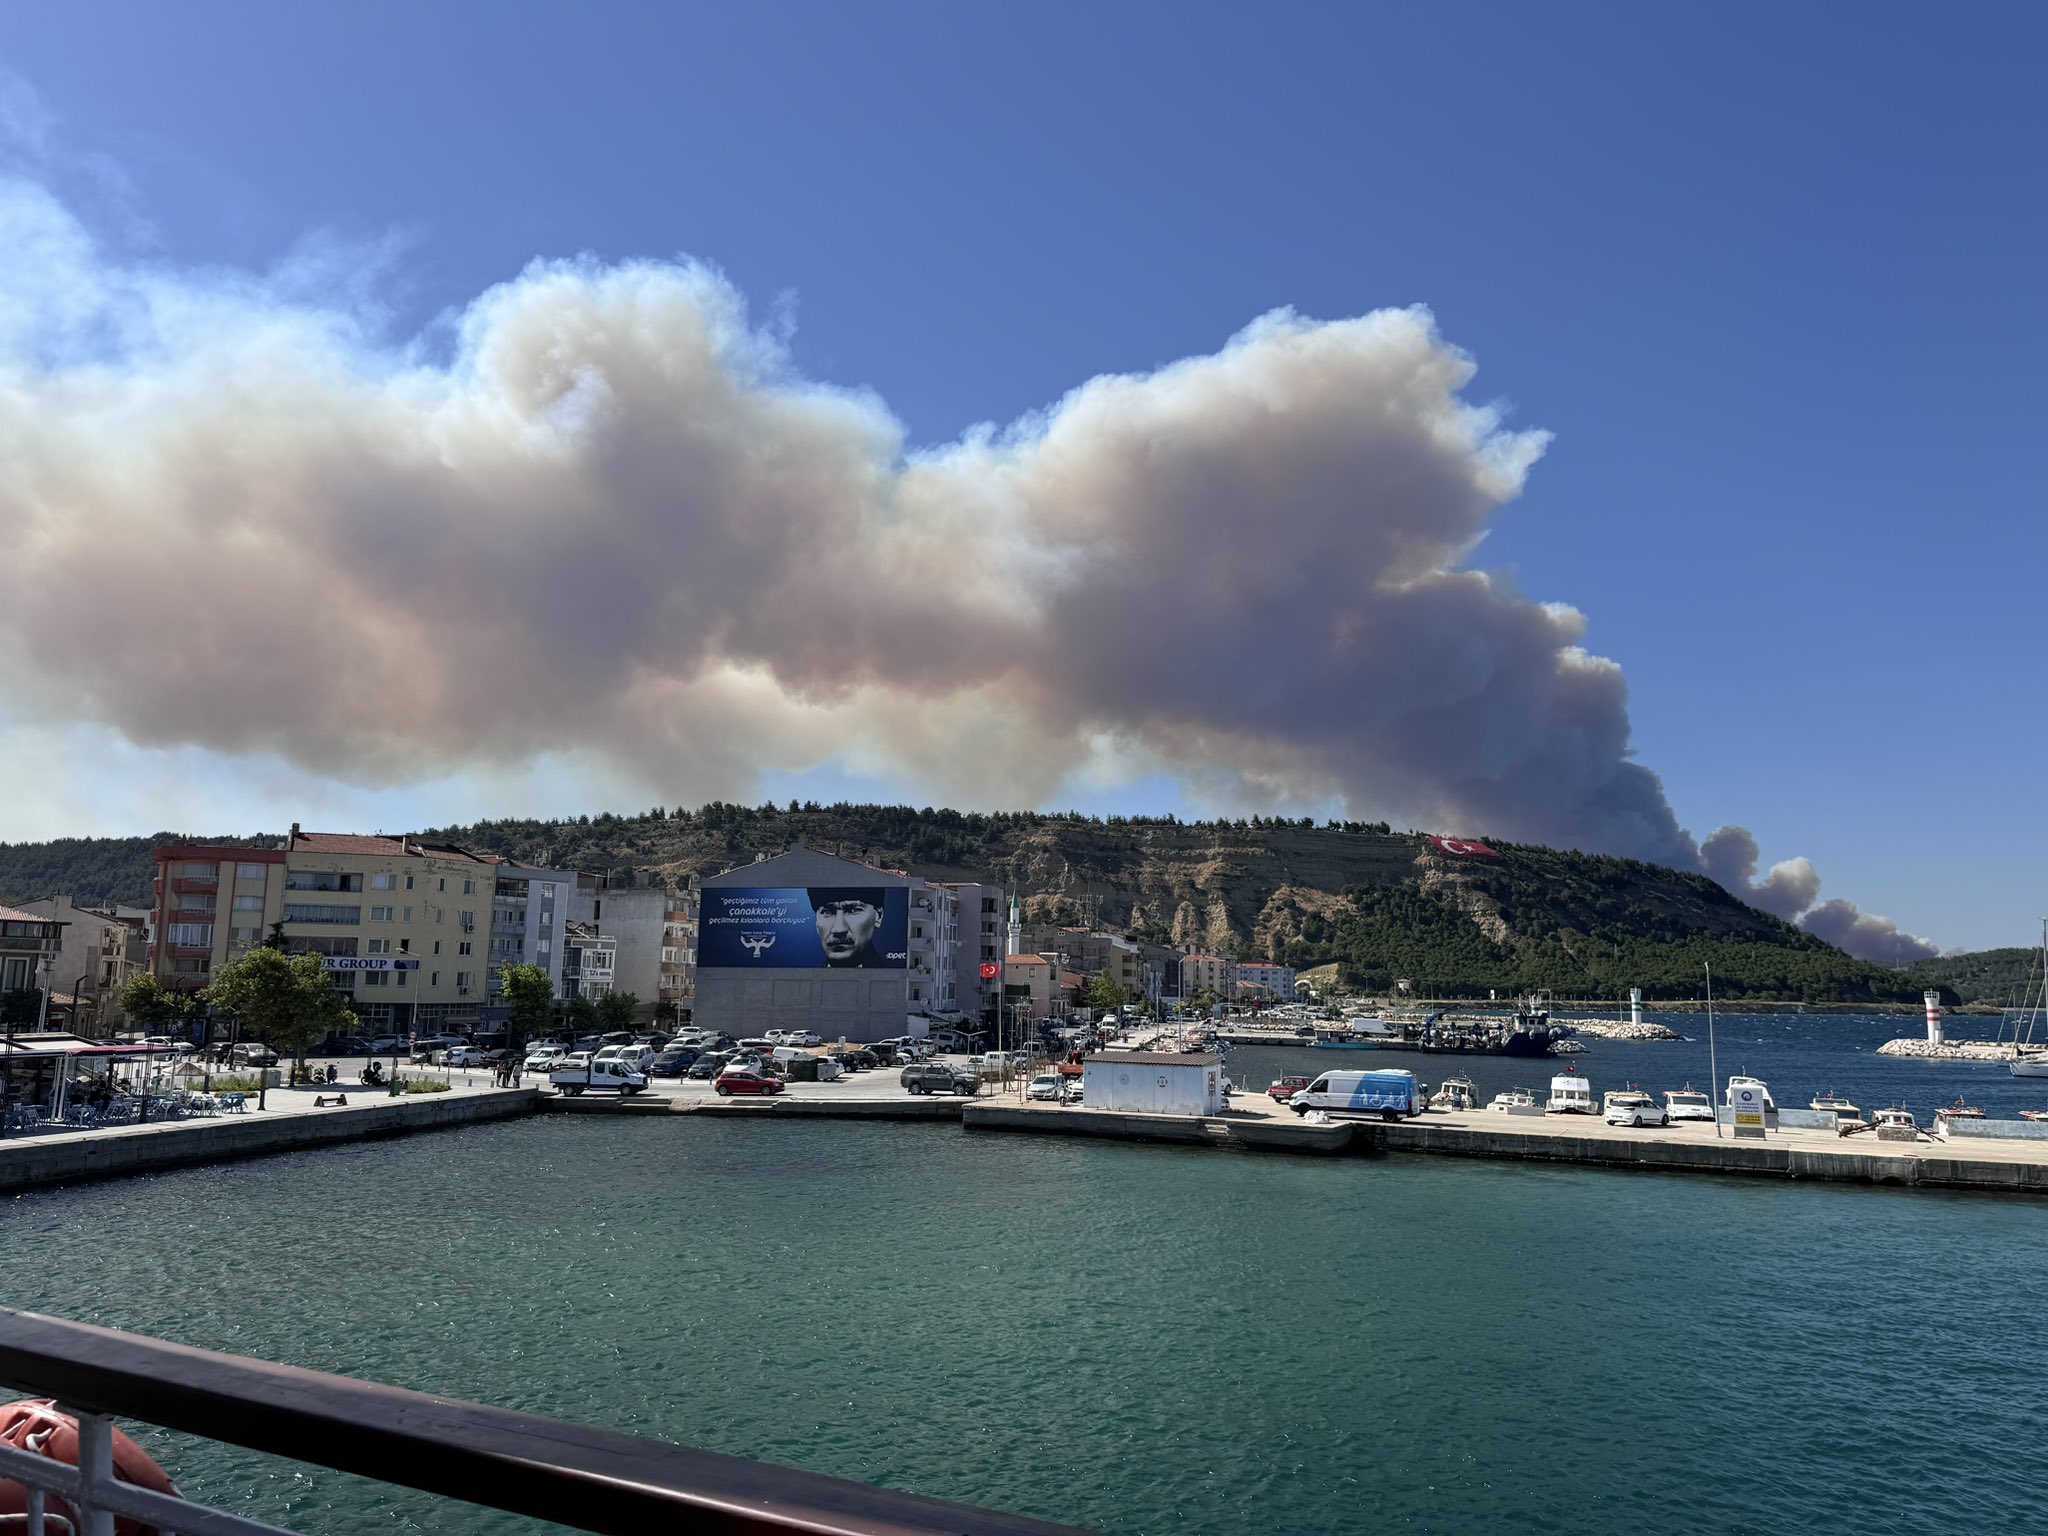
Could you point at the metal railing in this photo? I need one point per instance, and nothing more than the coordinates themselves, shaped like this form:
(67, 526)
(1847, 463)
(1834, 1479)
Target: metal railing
(591, 1479)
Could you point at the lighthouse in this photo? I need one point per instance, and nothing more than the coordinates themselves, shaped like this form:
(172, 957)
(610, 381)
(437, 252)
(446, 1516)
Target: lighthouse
(1933, 1001)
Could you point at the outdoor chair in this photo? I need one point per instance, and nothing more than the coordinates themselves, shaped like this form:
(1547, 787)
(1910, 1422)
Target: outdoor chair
(233, 1104)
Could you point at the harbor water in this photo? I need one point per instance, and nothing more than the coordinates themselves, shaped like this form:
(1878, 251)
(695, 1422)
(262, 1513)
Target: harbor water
(1799, 1055)
(1137, 1339)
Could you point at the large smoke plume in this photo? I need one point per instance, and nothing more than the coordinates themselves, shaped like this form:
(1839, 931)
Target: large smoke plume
(617, 515)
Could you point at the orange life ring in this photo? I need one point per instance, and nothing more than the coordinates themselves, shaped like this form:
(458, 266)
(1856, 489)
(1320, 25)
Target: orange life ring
(35, 1425)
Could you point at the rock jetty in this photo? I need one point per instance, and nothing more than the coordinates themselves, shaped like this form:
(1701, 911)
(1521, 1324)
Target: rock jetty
(1949, 1050)
(1617, 1029)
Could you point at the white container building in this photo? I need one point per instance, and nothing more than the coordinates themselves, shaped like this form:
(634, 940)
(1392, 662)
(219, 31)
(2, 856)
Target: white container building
(1153, 1083)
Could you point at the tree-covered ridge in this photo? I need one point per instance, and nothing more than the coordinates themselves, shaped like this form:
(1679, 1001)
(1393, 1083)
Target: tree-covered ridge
(2004, 978)
(1382, 904)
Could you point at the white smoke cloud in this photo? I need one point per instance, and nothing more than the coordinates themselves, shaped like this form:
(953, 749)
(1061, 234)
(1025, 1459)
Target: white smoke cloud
(617, 519)
(1790, 891)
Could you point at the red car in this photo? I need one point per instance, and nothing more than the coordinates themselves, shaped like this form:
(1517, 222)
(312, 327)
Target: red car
(1287, 1087)
(748, 1082)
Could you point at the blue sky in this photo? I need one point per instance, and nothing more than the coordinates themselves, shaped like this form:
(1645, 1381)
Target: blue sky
(1768, 274)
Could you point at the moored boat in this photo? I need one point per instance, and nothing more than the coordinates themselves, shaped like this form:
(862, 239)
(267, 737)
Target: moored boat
(1688, 1103)
(1570, 1094)
(1739, 1082)
(1832, 1103)
(1893, 1124)
(1455, 1093)
(1948, 1114)
(1515, 1101)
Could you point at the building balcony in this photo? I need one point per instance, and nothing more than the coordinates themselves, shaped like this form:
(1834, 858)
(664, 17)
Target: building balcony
(196, 883)
(191, 949)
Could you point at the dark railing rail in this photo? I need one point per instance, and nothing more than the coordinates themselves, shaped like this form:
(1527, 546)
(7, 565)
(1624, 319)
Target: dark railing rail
(591, 1479)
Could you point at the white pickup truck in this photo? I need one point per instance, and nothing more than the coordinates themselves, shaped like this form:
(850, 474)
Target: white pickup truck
(605, 1076)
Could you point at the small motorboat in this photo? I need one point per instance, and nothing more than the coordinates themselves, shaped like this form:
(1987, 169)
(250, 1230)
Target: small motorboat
(1832, 1103)
(1894, 1124)
(1688, 1103)
(1455, 1093)
(1739, 1082)
(2034, 1114)
(1570, 1094)
(1948, 1114)
(1515, 1101)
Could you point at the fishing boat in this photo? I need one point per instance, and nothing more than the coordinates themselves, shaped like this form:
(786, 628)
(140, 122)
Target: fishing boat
(1515, 1101)
(1455, 1093)
(1342, 1040)
(2034, 1114)
(1832, 1103)
(1688, 1103)
(1948, 1114)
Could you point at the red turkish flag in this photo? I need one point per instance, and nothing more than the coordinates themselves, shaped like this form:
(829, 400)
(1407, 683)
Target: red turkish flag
(990, 970)
(1464, 847)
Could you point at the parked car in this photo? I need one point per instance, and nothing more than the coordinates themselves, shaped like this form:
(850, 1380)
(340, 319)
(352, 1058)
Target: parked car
(707, 1066)
(1629, 1107)
(884, 1051)
(671, 1063)
(1285, 1088)
(616, 1037)
(385, 1045)
(635, 1056)
(544, 1058)
(253, 1053)
(1045, 1086)
(802, 1037)
(937, 1077)
(575, 1061)
(741, 1080)
(856, 1061)
(465, 1056)
(429, 1047)
(1071, 1093)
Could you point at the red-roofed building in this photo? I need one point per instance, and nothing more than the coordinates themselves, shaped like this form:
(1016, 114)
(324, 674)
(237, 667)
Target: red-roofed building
(404, 926)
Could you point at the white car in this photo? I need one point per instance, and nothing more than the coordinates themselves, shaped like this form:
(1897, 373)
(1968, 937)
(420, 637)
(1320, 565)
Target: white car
(463, 1056)
(545, 1059)
(801, 1037)
(1045, 1086)
(1072, 1093)
(1629, 1107)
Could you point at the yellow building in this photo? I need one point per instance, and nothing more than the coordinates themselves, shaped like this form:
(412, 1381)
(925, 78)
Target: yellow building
(404, 926)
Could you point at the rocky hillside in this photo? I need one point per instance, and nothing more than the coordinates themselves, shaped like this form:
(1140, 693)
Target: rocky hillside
(1382, 905)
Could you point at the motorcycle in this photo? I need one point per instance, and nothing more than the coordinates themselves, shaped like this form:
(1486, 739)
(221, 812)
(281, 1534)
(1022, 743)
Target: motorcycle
(373, 1075)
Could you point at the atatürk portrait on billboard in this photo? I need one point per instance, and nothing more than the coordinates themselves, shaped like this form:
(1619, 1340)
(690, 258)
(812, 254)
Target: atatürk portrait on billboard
(849, 916)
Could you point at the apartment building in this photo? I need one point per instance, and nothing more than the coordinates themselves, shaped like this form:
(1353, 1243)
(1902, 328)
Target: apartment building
(403, 925)
(635, 919)
(979, 942)
(678, 979)
(1094, 953)
(100, 952)
(590, 962)
(934, 945)
(528, 908)
(1215, 972)
(29, 946)
(1264, 979)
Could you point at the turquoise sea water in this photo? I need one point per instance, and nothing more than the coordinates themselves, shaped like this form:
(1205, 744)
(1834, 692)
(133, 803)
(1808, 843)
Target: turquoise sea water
(1135, 1339)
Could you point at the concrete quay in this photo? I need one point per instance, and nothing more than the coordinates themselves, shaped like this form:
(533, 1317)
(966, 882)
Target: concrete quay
(290, 1123)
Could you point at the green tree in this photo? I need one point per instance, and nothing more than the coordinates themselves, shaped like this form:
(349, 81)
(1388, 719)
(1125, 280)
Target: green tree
(287, 1000)
(21, 1006)
(581, 1014)
(615, 1010)
(531, 996)
(153, 1006)
(1104, 993)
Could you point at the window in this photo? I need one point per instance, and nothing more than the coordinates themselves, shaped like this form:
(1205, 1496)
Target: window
(310, 914)
(320, 880)
(376, 978)
(201, 871)
(401, 975)
(408, 882)
(462, 948)
(380, 914)
(248, 903)
(544, 946)
(469, 922)
(462, 979)
(441, 885)
(376, 946)
(988, 903)
(408, 914)
(245, 938)
(437, 946)
(382, 882)
(469, 887)
(192, 933)
(250, 872)
(405, 946)
(437, 979)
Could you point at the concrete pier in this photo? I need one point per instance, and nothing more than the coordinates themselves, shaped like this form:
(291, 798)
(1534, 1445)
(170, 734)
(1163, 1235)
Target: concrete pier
(289, 1125)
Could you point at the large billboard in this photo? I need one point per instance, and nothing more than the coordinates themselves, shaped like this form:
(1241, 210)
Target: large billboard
(819, 927)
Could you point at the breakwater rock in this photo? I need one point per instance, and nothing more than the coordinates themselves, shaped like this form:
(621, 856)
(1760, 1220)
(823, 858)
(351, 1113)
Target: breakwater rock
(1616, 1029)
(1949, 1050)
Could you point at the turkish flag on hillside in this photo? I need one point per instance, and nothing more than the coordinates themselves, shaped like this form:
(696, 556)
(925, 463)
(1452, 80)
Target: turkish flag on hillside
(1464, 847)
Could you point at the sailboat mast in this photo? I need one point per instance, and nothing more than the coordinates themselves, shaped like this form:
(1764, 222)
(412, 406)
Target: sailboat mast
(1713, 1063)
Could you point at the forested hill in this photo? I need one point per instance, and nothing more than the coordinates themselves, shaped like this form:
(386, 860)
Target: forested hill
(1382, 905)
(2005, 978)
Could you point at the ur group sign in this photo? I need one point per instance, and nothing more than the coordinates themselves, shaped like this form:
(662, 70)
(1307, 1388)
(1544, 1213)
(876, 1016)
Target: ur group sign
(367, 963)
(819, 927)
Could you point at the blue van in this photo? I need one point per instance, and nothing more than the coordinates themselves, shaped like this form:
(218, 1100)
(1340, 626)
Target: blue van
(1391, 1094)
